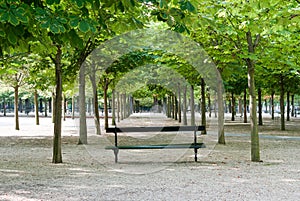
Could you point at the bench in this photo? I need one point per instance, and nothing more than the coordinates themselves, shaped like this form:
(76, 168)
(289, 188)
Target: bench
(195, 145)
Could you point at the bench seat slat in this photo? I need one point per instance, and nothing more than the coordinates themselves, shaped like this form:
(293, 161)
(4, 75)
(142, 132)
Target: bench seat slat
(155, 129)
(159, 146)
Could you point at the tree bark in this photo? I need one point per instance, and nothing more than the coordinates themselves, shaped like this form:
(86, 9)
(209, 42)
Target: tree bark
(282, 111)
(184, 105)
(255, 153)
(82, 107)
(221, 133)
(105, 88)
(192, 106)
(245, 106)
(272, 104)
(73, 107)
(203, 106)
(232, 107)
(16, 106)
(118, 106)
(179, 103)
(288, 110)
(57, 155)
(260, 119)
(113, 120)
(53, 107)
(46, 106)
(36, 108)
(293, 105)
(96, 103)
(64, 107)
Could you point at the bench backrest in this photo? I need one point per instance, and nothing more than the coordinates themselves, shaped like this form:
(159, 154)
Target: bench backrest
(154, 129)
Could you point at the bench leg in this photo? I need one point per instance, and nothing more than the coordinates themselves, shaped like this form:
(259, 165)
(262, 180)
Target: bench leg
(195, 151)
(116, 151)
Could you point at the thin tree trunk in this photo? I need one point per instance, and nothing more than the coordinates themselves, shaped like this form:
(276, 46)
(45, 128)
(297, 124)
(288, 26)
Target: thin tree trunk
(96, 104)
(245, 106)
(4, 107)
(232, 106)
(184, 105)
(57, 154)
(221, 133)
(82, 107)
(203, 106)
(36, 108)
(255, 153)
(288, 110)
(209, 104)
(64, 107)
(46, 107)
(179, 103)
(293, 106)
(17, 126)
(73, 107)
(260, 119)
(272, 105)
(192, 106)
(53, 107)
(105, 88)
(113, 120)
(282, 103)
(118, 106)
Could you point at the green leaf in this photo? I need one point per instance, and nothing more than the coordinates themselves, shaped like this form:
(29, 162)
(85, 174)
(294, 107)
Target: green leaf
(84, 26)
(4, 17)
(190, 7)
(163, 4)
(12, 38)
(2, 33)
(54, 29)
(50, 2)
(74, 22)
(13, 20)
(45, 24)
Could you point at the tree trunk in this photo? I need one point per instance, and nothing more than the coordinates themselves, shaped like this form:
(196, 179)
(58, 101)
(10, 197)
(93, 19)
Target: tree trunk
(260, 119)
(203, 106)
(232, 107)
(46, 107)
(17, 126)
(184, 106)
(4, 107)
(53, 107)
(288, 110)
(96, 103)
(272, 104)
(179, 103)
(221, 134)
(192, 106)
(105, 88)
(73, 107)
(245, 106)
(82, 107)
(255, 153)
(118, 106)
(209, 104)
(282, 119)
(57, 155)
(113, 120)
(176, 107)
(36, 108)
(64, 107)
(293, 106)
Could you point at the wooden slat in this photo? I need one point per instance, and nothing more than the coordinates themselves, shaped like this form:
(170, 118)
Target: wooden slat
(154, 129)
(159, 146)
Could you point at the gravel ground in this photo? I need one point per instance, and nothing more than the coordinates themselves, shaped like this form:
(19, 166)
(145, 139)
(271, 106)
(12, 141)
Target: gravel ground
(89, 172)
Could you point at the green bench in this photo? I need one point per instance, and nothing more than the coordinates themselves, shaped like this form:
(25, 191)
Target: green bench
(195, 145)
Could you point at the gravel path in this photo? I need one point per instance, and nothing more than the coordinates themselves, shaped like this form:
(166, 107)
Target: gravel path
(89, 173)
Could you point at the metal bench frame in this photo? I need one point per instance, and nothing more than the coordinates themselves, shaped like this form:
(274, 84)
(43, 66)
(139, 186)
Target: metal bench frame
(195, 145)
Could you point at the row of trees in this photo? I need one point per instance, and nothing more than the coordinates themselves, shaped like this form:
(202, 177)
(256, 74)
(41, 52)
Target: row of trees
(44, 43)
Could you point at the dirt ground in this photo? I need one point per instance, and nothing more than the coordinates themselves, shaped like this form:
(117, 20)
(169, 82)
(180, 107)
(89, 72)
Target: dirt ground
(88, 172)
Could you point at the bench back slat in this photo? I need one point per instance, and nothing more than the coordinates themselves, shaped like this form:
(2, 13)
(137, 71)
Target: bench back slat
(154, 129)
